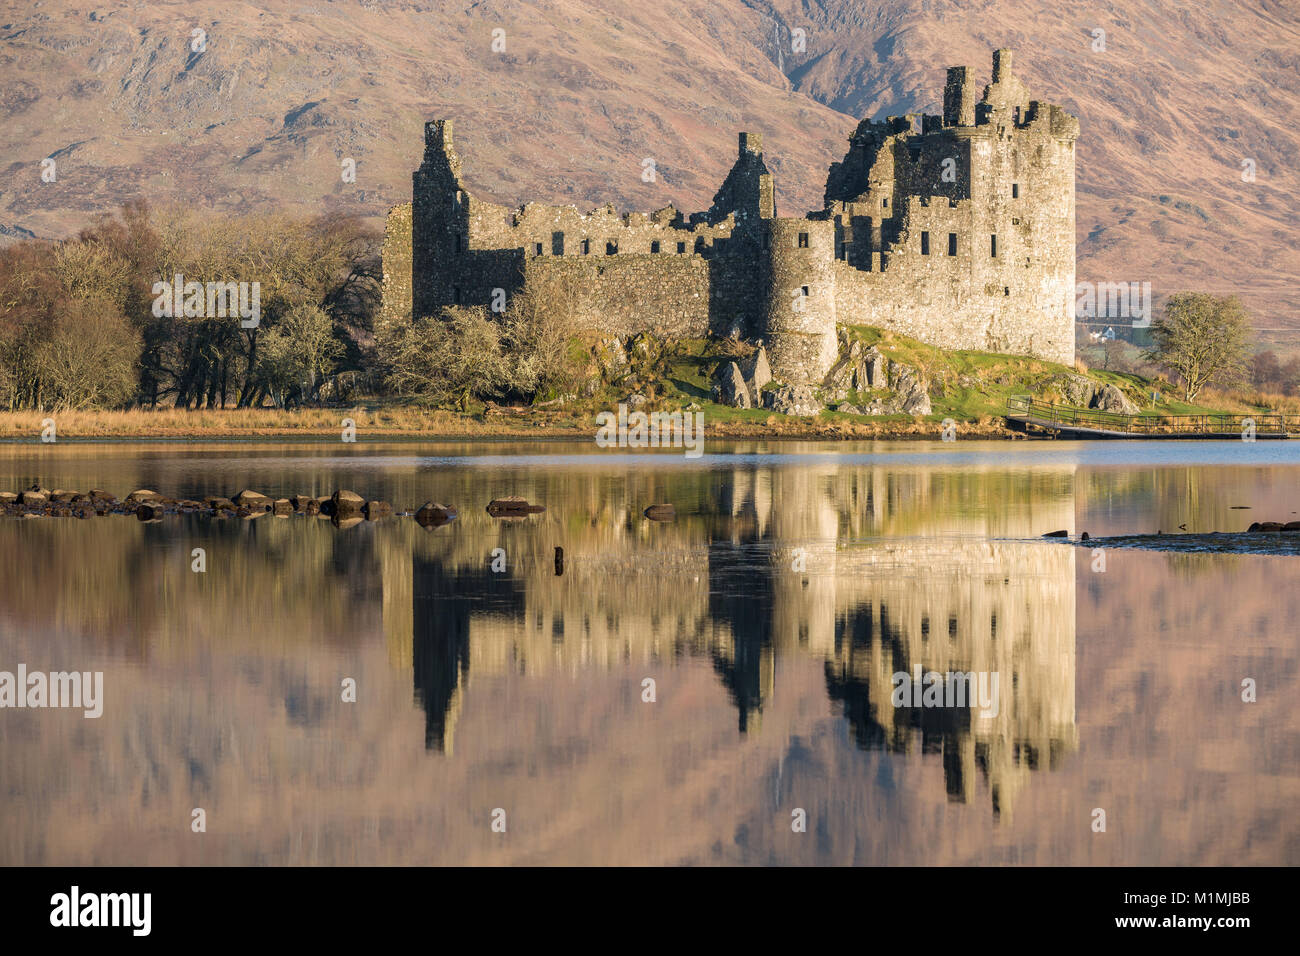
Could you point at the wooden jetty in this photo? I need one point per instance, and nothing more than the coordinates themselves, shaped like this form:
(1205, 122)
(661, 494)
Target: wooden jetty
(1064, 421)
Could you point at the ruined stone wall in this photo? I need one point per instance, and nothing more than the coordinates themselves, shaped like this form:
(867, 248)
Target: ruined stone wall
(666, 295)
(957, 230)
(395, 305)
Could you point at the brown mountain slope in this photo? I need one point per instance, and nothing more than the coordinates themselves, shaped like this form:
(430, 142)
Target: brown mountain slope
(586, 90)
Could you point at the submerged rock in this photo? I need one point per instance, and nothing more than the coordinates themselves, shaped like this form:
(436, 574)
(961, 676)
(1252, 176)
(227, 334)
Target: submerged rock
(512, 506)
(665, 512)
(346, 503)
(374, 510)
(434, 515)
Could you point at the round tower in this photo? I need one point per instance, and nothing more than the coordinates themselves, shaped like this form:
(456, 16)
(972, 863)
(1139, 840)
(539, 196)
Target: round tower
(799, 308)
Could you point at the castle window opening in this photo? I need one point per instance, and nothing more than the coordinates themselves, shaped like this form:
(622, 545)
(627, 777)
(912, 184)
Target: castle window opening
(654, 246)
(537, 248)
(804, 291)
(925, 243)
(557, 243)
(803, 240)
(952, 243)
(884, 202)
(1015, 190)
(586, 247)
(681, 247)
(993, 246)
(611, 248)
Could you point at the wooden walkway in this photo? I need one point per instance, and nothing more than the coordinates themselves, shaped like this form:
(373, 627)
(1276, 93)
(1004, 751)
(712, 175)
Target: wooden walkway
(1065, 421)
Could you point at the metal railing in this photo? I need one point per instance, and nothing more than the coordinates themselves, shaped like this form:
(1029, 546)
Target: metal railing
(1053, 415)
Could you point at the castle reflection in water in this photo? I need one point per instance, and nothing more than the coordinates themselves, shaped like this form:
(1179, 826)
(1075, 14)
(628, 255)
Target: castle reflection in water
(869, 571)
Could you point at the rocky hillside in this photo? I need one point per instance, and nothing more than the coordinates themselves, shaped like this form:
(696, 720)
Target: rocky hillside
(263, 108)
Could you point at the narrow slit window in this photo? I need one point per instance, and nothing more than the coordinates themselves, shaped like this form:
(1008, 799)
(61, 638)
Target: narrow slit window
(952, 243)
(586, 247)
(803, 240)
(804, 291)
(1015, 190)
(611, 248)
(993, 246)
(681, 248)
(925, 243)
(654, 246)
(537, 248)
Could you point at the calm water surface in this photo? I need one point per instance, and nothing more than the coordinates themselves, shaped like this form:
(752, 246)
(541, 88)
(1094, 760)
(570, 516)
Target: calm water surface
(771, 615)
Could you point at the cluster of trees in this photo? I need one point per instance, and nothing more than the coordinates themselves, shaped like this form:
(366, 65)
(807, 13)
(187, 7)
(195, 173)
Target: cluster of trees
(80, 324)
(1268, 373)
(532, 350)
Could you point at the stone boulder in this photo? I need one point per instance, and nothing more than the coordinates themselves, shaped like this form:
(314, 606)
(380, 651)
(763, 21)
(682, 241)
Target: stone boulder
(756, 372)
(254, 501)
(1076, 390)
(665, 512)
(798, 400)
(434, 515)
(1109, 398)
(346, 503)
(729, 387)
(512, 506)
(375, 510)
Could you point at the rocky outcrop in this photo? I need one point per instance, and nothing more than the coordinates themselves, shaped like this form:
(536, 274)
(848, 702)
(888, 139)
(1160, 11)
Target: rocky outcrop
(729, 387)
(756, 372)
(799, 400)
(860, 367)
(1083, 392)
(912, 394)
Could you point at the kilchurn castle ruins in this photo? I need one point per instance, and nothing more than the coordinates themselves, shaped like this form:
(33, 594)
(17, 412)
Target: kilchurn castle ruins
(957, 230)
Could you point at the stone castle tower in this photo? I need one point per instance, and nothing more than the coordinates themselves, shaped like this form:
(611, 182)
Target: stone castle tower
(957, 230)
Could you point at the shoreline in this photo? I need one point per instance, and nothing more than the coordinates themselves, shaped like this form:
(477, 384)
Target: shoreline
(321, 426)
